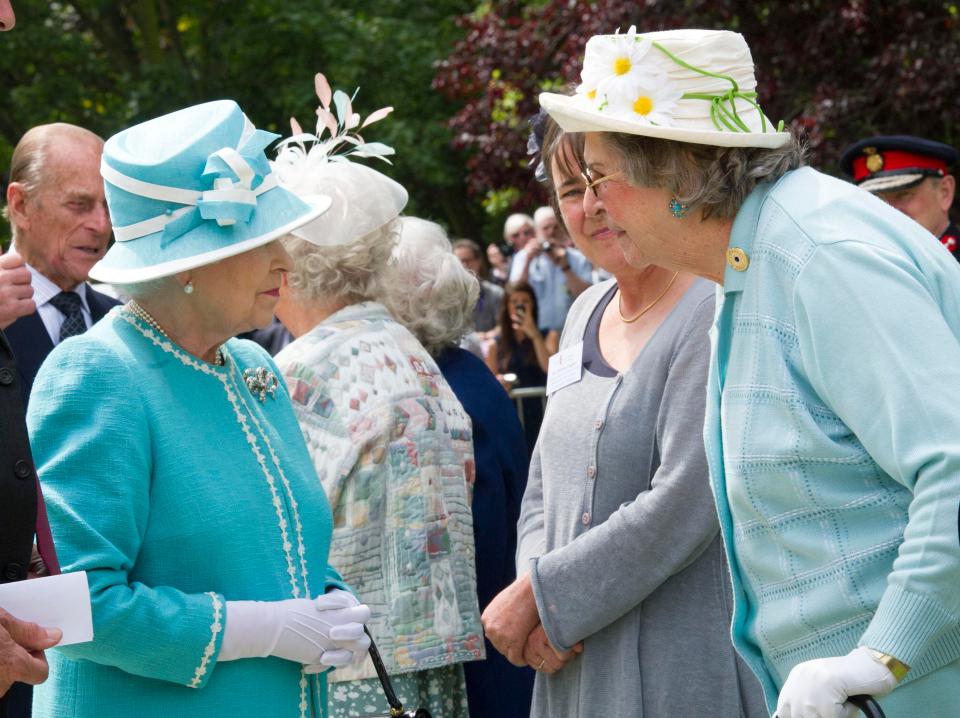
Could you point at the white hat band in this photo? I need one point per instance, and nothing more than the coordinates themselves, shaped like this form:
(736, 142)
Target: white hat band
(224, 190)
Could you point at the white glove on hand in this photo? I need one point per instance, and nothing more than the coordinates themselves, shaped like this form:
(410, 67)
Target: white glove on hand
(819, 688)
(348, 652)
(327, 631)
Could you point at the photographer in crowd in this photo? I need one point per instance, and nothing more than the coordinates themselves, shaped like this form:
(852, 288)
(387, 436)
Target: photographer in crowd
(557, 274)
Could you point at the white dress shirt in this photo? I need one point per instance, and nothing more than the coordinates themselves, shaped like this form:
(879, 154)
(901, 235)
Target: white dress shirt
(43, 291)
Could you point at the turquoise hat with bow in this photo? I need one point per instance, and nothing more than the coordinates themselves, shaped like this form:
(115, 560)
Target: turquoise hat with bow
(191, 188)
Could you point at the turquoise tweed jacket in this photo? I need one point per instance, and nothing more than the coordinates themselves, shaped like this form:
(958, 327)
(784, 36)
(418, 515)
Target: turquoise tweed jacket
(833, 432)
(177, 490)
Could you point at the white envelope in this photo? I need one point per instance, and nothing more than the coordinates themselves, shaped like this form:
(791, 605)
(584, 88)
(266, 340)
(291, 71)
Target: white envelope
(53, 602)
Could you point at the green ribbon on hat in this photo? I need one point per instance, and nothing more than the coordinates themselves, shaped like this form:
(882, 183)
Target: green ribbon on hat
(723, 107)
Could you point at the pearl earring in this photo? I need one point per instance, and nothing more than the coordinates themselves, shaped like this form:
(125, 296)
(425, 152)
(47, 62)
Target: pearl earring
(188, 287)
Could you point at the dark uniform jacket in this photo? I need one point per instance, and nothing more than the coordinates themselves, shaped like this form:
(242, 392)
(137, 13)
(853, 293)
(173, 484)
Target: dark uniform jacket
(951, 240)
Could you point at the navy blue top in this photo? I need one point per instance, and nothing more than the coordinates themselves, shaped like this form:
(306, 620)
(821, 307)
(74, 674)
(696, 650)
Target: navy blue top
(494, 687)
(593, 360)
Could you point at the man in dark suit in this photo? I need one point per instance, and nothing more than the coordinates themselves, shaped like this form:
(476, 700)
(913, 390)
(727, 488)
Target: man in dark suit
(22, 513)
(58, 217)
(60, 226)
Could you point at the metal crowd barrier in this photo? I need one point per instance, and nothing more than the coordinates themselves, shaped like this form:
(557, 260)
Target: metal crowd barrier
(528, 393)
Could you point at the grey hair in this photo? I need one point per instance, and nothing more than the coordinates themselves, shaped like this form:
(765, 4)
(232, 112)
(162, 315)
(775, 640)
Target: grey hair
(30, 156)
(515, 222)
(151, 289)
(715, 180)
(352, 272)
(427, 289)
(545, 212)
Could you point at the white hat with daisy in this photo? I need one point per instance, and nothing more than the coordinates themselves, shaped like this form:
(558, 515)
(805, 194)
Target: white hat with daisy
(686, 85)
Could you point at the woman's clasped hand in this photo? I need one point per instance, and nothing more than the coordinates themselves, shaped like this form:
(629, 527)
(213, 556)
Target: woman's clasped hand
(512, 624)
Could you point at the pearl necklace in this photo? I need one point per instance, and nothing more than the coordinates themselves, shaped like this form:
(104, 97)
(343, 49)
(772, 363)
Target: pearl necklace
(143, 315)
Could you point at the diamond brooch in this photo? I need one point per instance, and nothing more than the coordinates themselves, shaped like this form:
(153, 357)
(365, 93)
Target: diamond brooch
(261, 381)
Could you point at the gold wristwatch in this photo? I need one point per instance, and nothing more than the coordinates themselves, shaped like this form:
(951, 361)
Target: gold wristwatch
(898, 668)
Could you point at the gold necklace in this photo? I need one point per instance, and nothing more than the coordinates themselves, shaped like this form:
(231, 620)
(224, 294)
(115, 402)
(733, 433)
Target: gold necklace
(140, 313)
(647, 308)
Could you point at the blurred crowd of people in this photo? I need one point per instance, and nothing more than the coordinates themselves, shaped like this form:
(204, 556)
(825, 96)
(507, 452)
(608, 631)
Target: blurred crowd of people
(681, 444)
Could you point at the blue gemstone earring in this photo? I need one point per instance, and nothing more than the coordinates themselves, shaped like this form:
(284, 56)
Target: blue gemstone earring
(677, 208)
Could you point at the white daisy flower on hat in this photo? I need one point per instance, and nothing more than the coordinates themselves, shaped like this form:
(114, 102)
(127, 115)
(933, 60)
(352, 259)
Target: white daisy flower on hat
(653, 99)
(612, 63)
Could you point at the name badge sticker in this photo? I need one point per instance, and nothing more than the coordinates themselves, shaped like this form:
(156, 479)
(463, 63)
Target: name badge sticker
(565, 368)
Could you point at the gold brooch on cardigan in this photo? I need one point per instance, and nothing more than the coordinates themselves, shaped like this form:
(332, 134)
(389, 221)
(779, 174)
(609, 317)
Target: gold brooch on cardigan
(261, 381)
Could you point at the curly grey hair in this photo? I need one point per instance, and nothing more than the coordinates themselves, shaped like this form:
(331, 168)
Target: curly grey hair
(717, 180)
(352, 272)
(427, 289)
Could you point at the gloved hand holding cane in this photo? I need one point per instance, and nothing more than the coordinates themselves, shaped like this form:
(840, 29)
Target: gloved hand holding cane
(820, 688)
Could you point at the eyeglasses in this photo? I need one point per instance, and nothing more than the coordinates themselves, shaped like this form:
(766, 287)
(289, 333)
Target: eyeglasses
(592, 183)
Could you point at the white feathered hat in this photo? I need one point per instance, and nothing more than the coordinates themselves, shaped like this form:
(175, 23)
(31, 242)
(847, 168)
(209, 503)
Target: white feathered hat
(362, 199)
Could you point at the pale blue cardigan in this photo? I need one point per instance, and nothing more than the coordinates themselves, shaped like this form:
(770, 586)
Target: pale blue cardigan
(176, 490)
(833, 435)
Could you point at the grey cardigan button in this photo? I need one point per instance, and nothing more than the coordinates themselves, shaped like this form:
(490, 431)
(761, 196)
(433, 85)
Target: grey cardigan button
(22, 469)
(6, 376)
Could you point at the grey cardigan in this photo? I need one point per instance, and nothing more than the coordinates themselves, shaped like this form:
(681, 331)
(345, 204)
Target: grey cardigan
(619, 531)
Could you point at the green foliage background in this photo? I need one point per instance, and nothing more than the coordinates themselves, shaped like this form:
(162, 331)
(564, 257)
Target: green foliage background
(106, 65)
(463, 75)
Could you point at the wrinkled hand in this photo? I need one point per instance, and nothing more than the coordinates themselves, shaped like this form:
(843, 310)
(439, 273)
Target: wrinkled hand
(21, 651)
(16, 292)
(819, 688)
(510, 618)
(540, 654)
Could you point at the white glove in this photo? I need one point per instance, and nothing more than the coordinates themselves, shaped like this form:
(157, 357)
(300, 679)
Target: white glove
(349, 651)
(819, 688)
(326, 631)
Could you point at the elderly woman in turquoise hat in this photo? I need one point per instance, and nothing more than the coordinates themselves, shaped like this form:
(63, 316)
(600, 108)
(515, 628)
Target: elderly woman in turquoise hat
(175, 473)
(831, 424)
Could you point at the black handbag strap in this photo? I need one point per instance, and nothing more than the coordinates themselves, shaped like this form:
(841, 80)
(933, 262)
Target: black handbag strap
(868, 706)
(396, 707)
